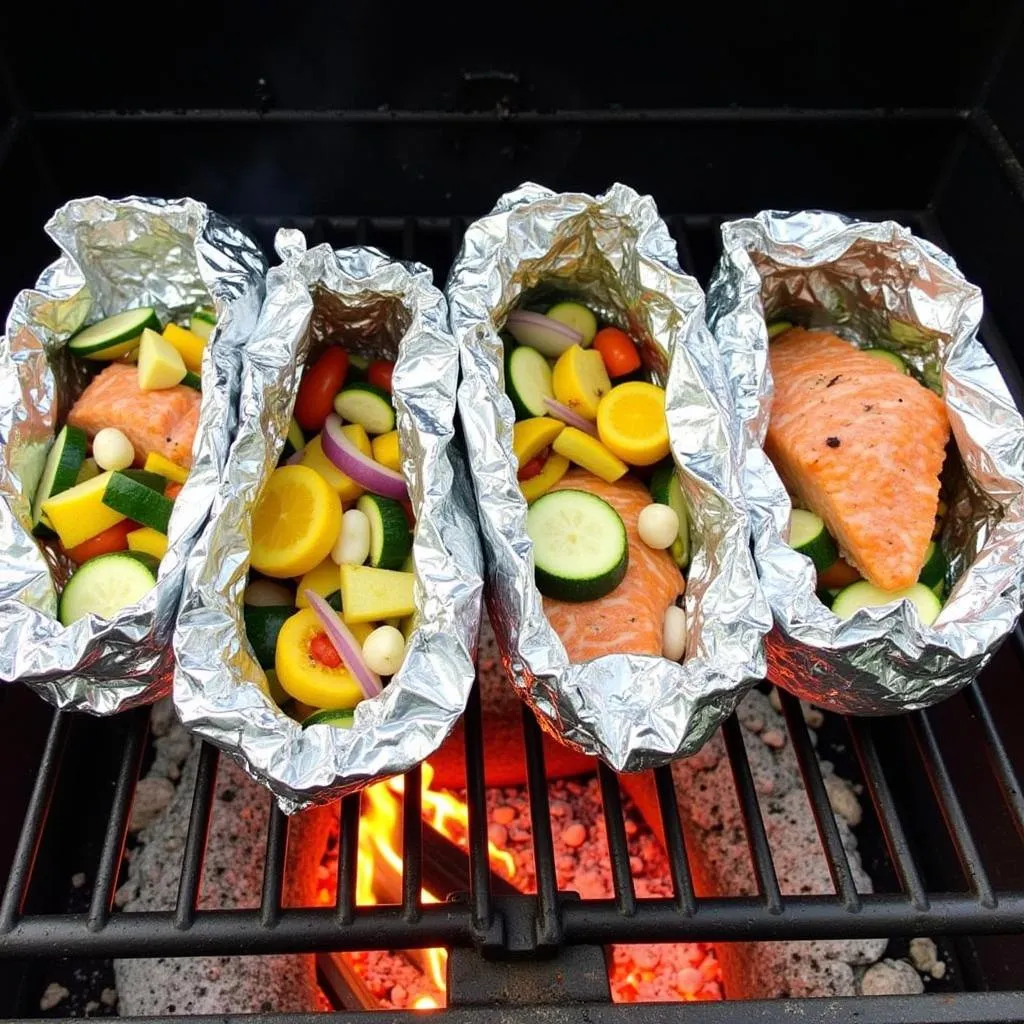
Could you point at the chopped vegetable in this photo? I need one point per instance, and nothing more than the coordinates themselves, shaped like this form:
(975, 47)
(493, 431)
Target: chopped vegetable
(568, 417)
(530, 437)
(576, 316)
(887, 357)
(79, 513)
(866, 595)
(146, 540)
(367, 405)
(777, 328)
(588, 452)
(320, 383)
(116, 538)
(63, 466)
(658, 526)
(112, 450)
(160, 363)
(580, 550)
(304, 676)
(115, 336)
(379, 374)
(156, 463)
(322, 579)
(314, 457)
(190, 346)
(384, 650)
(935, 566)
(353, 544)
(534, 466)
(549, 337)
(580, 380)
(88, 471)
(295, 524)
(386, 450)
(339, 718)
(347, 646)
(106, 585)
(839, 574)
(674, 632)
(631, 423)
(390, 536)
(137, 496)
(554, 469)
(372, 595)
(268, 593)
(808, 535)
(362, 468)
(666, 490)
(263, 624)
(527, 381)
(621, 357)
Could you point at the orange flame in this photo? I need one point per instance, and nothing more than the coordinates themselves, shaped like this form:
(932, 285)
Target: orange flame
(379, 842)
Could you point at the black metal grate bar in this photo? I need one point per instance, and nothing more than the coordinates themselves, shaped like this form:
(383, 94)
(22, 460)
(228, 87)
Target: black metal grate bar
(273, 869)
(412, 844)
(757, 838)
(35, 821)
(618, 844)
(195, 840)
(348, 855)
(888, 815)
(821, 806)
(952, 811)
(549, 925)
(476, 800)
(675, 842)
(117, 824)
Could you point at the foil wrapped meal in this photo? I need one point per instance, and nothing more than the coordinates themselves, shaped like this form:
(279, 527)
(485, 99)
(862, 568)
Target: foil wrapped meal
(376, 307)
(173, 255)
(613, 253)
(878, 285)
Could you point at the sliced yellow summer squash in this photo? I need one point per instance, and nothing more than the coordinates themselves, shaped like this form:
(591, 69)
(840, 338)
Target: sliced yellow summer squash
(79, 513)
(530, 437)
(588, 452)
(148, 541)
(373, 595)
(385, 450)
(157, 463)
(554, 469)
(313, 456)
(189, 345)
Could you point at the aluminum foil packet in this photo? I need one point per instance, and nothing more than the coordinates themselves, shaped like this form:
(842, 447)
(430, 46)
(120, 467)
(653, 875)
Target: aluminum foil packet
(876, 284)
(173, 255)
(376, 307)
(615, 254)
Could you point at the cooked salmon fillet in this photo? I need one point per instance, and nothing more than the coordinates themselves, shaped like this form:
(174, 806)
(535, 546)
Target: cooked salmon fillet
(861, 444)
(154, 421)
(629, 619)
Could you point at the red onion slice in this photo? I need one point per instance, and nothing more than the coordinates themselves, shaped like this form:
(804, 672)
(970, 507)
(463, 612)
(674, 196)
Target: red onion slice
(347, 646)
(352, 462)
(570, 418)
(294, 459)
(535, 330)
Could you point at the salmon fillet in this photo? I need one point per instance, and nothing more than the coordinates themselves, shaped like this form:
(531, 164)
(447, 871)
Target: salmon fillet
(629, 619)
(154, 421)
(861, 444)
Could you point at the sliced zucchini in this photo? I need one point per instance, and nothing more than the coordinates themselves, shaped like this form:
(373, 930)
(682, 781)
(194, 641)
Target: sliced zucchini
(115, 336)
(205, 313)
(887, 357)
(105, 585)
(192, 380)
(340, 718)
(935, 565)
(576, 316)
(294, 440)
(807, 534)
(367, 405)
(202, 322)
(776, 328)
(138, 495)
(390, 536)
(666, 490)
(866, 595)
(580, 549)
(63, 464)
(262, 624)
(528, 381)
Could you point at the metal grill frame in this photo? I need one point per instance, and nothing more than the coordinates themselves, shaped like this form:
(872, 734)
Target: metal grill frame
(539, 925)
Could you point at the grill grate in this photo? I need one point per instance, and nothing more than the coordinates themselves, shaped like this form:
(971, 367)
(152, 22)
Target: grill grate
(506, 925)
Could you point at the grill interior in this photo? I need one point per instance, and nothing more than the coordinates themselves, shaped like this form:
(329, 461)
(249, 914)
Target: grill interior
(943, 836)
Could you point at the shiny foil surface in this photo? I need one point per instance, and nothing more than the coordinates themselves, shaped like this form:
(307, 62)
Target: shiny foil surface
(173, 255)
(613, 253)
(382, 308)
(878, 285)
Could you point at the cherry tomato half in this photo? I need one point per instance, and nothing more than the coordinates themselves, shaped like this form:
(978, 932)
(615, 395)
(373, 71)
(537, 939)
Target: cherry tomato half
(114, 538)
(533, 467)
(320, 383)
(617, 350)
(321, 649)
(379, 372)
(838, 574)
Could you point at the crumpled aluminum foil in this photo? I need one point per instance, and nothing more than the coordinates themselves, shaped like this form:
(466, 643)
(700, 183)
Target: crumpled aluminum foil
(876, 284)
(377, 307)
(170, 254)
(615, 253)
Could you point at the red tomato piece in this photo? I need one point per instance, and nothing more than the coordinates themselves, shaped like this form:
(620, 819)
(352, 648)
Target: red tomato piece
(839, 574)
(114, 538)
(534, 466)
(620, 355)
(321, 649)
(320, 383)
(379, 372)
(173, 489)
